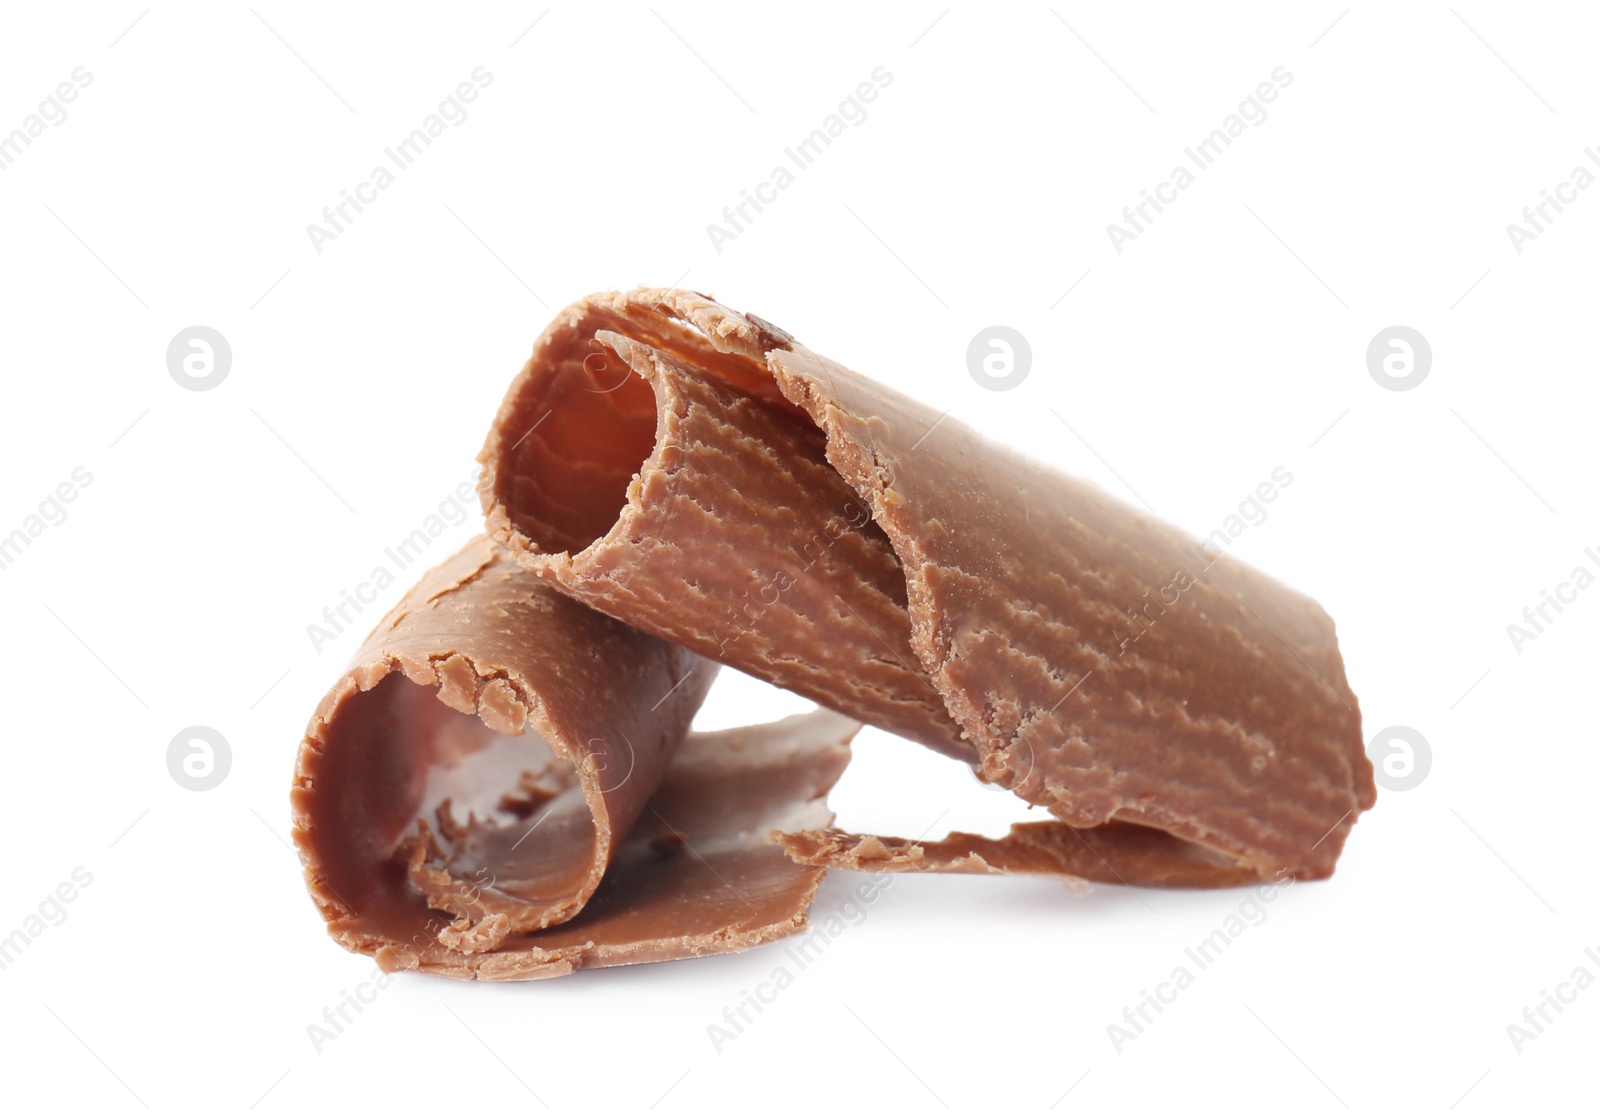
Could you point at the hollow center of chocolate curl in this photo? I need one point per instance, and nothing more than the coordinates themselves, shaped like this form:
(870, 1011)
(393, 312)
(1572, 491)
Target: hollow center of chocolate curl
(581, 433)
(501, 820)
(583, 422)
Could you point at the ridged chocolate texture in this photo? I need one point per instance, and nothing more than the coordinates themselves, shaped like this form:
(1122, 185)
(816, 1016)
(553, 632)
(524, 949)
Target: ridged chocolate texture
(699, 474)
(504, 786)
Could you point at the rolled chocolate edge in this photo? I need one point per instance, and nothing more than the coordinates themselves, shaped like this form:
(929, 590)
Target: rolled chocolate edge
(700, 475)
(504, 786)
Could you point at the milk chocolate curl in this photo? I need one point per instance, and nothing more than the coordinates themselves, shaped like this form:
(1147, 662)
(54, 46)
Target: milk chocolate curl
(503, 786)
(699, 474)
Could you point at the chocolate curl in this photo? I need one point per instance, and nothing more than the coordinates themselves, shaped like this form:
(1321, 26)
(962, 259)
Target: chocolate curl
(504, 786)
(700, 475)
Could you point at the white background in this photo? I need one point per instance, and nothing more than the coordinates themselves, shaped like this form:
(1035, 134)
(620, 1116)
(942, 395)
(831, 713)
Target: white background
(1227, 340)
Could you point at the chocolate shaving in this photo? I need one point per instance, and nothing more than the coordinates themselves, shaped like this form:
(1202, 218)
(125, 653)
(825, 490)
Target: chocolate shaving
(482, 676)
(763, 506)
(504, 784)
